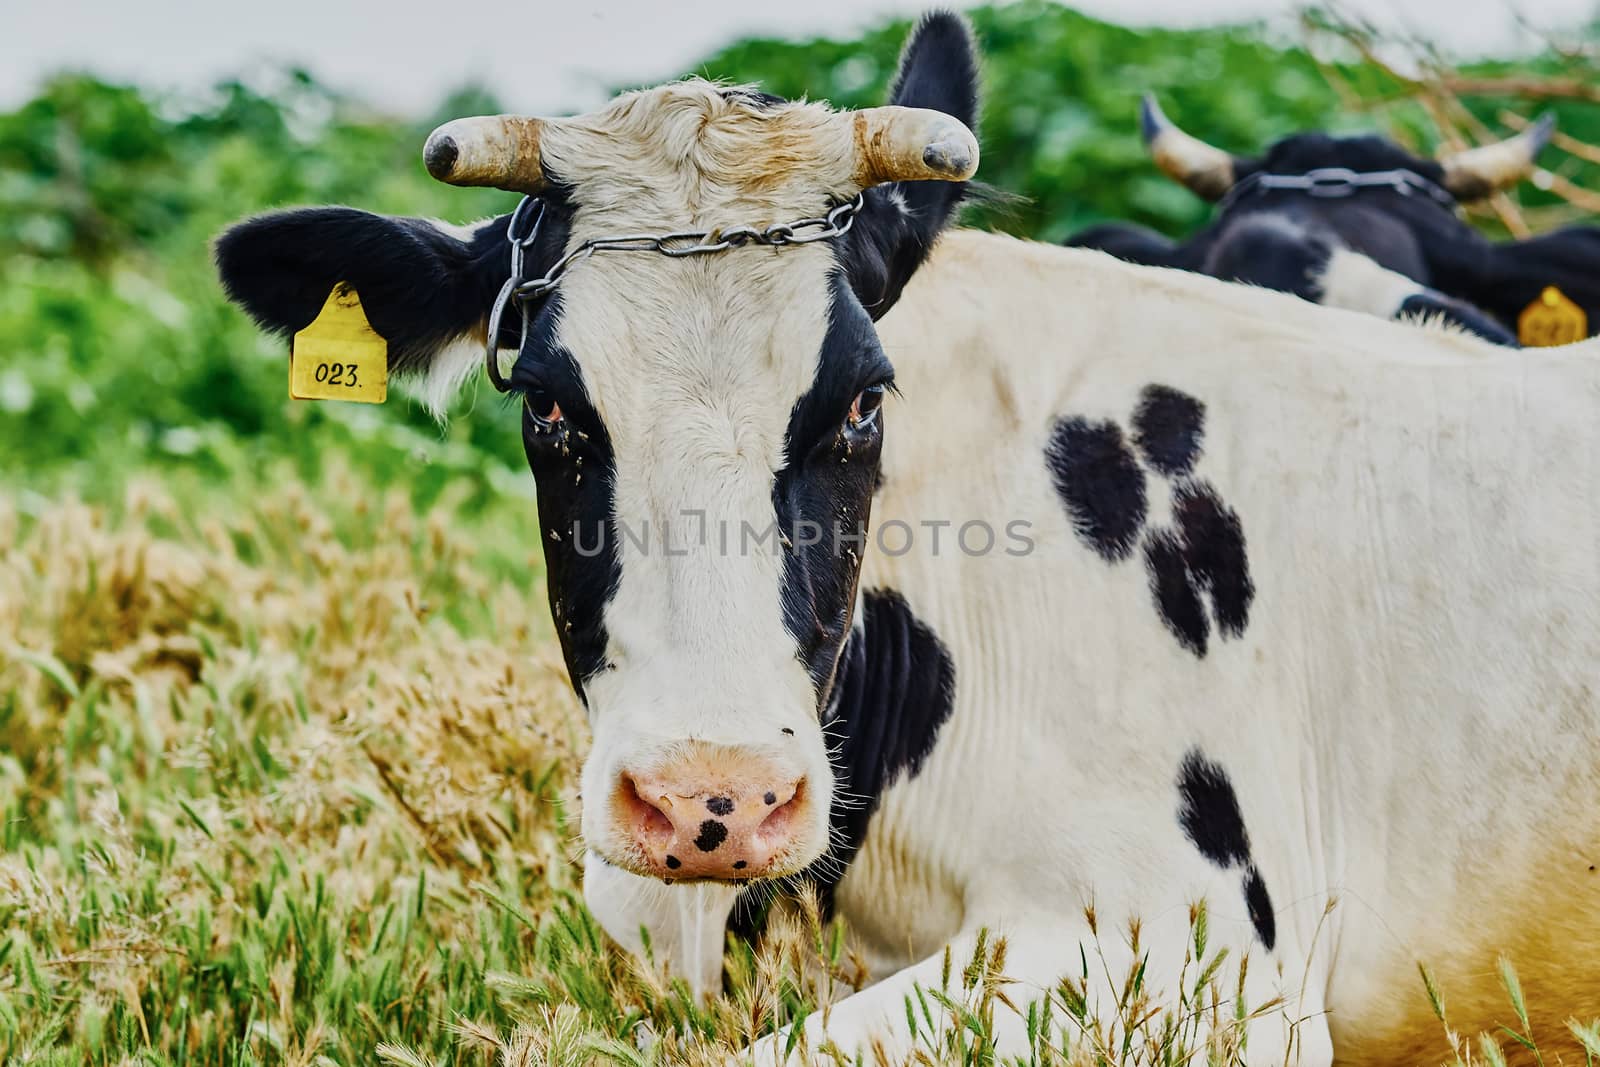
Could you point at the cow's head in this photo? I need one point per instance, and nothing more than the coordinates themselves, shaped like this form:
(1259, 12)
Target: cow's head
(698, 428)
(1413, 233)
(1210, 172)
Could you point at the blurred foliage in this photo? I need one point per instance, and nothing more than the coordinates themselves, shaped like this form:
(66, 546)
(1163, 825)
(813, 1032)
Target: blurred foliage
(119, 349)
(1060, 105)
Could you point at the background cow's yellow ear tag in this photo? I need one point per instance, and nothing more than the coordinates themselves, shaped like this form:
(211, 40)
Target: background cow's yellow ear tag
(1552, 319)
(340, 356)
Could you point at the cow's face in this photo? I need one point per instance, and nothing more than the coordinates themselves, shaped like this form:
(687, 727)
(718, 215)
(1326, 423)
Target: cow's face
(704, 431)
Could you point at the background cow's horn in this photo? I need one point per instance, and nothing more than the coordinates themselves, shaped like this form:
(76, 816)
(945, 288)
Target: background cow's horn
(1477, 172)
(1206, 170)
(496, 150)
(911, 144)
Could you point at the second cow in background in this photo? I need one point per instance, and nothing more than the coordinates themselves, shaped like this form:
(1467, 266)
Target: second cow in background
(1360, 223)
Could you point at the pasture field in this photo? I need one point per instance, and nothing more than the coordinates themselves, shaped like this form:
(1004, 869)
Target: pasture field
(288, 777)
(288, 759)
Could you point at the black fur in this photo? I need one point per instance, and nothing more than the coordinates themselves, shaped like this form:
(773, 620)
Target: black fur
(895, 690)
(573, 468)
(1259, 905)
(1269, 251)
(1209, 812)
(1099, 480)
(1169, 428)
(823, 494)
(1214, 549)
(719, 805)
(938, 70)
(1280, 239)
(1177, 600)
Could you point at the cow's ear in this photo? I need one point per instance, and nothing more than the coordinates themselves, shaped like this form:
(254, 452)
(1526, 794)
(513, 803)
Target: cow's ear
(1515, 273)
(891, 237)
(426, 287)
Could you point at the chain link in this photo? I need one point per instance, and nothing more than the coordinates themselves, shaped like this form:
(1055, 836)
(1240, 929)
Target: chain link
(523, 232)
(1335, 182)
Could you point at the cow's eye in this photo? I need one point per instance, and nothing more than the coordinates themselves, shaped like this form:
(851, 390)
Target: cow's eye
(865, 407)
(542, 408)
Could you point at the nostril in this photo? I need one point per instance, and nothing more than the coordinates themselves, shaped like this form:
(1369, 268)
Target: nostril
(648, 816)
(778, 819)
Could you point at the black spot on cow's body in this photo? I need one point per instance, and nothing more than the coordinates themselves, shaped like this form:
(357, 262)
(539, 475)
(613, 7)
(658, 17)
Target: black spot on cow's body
(1260, 908)
(770, 798)
(893, 692)
(712, 835)
(720, 805)
(1099, 480)
(1176, 597)
(1209, 812)
(1214, 549)
(740, 865)
(673, 863)
(1169, 428)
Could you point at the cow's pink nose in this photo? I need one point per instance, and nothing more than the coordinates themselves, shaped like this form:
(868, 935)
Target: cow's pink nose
(730, 826)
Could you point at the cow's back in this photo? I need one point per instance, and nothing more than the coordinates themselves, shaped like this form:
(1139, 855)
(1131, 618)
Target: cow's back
(1408, 709)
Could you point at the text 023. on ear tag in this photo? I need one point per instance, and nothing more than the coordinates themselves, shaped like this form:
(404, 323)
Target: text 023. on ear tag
(1552, 319)
(340, 356)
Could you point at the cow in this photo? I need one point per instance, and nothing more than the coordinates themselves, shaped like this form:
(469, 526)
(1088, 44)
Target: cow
(1009, 590)
(1360, 223)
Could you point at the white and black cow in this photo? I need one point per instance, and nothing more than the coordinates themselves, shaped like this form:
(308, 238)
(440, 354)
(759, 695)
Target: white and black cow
(1173, 590)
(1360, 223)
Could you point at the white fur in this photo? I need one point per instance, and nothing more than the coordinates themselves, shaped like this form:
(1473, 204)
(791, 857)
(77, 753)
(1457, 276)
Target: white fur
(1356, 283)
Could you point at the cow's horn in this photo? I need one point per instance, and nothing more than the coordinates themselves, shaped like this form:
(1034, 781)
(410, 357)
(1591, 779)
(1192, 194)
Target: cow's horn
(495, 150)
(1476, 172)
(1206, 170)
(911, 144)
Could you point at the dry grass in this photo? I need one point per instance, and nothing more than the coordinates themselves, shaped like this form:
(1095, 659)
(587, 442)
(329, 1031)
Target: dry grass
(286, 778)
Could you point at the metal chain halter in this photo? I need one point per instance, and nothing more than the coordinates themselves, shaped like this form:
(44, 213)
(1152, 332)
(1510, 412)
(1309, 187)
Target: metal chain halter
(1338, 182)
(523, 232)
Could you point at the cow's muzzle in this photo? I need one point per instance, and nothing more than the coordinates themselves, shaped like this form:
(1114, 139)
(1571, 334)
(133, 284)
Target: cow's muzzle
(720, 815)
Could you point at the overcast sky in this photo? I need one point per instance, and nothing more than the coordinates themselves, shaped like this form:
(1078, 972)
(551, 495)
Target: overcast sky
(403, 55)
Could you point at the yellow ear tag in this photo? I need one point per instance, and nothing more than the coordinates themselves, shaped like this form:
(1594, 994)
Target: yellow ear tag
(340, 356)
(1553, 319)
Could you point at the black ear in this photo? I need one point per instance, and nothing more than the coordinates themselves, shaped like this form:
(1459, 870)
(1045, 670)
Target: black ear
(423, 287)
(890, 239)
(1518, 271)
